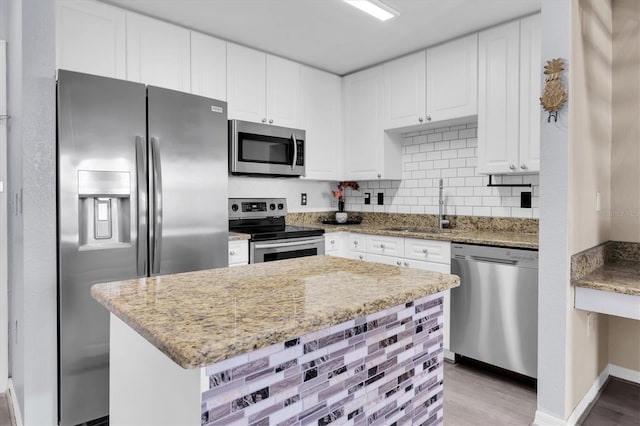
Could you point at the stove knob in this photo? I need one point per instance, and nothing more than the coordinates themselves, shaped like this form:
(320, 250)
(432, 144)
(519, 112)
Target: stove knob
(272, 206)
(280, 206)
(234, 207)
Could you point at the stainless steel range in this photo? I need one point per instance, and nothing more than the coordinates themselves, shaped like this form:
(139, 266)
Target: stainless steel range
(271, 238)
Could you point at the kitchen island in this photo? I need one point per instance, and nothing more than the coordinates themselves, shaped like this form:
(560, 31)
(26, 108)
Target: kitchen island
(313, 340)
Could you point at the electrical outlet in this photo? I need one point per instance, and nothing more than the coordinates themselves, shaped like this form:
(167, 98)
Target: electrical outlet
(525, 199)
(303, 199)
(380, 198)
(367, 198)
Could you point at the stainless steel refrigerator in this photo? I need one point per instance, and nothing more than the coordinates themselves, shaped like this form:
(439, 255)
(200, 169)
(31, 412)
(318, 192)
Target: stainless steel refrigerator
(142, 191)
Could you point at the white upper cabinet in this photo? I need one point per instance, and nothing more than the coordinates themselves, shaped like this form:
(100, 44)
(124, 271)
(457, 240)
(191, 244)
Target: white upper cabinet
(530, 90)
(158, 53)
(208, 66)
(90, 38)
(509, 88)
(246, 83)
(320, 114)
(370, 153)
(262, 88)
(452, 79)
(404, 89)
(283, 92)
(498, 98)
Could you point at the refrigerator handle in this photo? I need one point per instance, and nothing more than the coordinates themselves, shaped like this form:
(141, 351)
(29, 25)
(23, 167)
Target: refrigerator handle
(141, 178)
(157, 205)
(295, 151)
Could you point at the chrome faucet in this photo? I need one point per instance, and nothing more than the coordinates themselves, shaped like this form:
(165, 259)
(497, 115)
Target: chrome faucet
(442, 222)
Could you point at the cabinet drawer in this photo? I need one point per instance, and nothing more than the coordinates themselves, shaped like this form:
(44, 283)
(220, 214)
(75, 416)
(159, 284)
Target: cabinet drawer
(332, 242)
(238, 252)
(357, 255)
(388, 246)
(387, 260)
(428, 250)
(356, 242)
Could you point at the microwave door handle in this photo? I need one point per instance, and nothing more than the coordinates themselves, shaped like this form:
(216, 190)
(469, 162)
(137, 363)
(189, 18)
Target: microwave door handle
(295, 151)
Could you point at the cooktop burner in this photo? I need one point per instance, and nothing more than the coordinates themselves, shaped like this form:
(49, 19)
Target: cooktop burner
(264, 219)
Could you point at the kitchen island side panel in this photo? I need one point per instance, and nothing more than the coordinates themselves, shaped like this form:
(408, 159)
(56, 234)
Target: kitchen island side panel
(377, 369)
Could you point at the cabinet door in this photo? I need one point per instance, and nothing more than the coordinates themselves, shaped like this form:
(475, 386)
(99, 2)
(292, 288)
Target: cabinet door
(363, 134)
(530, 86)
(320, 118)
(404, 89)
(356, 242)
(90, 38)
(158, 53)
(246, 83)
(498, 98)
(238, 253)
(208, 66)
(283, 92)
(333, 243)
(452, 79)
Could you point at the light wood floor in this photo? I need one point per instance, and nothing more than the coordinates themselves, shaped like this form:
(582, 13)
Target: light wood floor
(475, 396)
(618, 404)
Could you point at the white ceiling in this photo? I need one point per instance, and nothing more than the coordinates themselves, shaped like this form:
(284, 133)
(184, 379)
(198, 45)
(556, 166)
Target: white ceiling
(330, 34)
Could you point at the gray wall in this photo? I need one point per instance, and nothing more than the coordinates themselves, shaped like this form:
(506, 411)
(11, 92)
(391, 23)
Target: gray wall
(553, 240)
(29, 27)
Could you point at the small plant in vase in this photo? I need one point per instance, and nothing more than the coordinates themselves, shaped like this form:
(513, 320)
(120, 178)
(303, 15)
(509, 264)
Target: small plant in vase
(341, 215)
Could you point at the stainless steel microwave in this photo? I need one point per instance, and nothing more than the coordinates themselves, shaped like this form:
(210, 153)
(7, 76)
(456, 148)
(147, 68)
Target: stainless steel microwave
(264, 149)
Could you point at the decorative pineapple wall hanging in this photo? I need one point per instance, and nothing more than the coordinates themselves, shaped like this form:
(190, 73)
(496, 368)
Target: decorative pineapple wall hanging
(553, 95)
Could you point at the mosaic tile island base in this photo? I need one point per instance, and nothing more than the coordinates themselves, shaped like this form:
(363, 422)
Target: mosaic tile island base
(308, 341)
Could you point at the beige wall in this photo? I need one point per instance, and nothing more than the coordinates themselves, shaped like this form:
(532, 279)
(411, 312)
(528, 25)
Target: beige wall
(625, 159)
(589, 173)
(624, 334)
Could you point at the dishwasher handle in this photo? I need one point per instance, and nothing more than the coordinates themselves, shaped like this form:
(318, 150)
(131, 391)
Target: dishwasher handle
(493, 260)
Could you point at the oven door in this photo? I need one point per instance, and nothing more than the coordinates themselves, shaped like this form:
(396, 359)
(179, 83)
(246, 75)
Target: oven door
(265, 149)
(286, 248)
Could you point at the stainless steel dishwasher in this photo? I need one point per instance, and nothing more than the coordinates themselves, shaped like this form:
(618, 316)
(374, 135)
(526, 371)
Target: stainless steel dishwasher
(494, 312)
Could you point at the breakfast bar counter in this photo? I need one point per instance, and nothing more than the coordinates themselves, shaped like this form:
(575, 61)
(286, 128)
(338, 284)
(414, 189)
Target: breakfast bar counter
(312, 340)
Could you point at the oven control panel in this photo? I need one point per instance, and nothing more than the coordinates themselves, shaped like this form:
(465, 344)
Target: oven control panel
(255, 208)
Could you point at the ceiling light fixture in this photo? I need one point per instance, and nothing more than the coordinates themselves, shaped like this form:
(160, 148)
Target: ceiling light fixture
(375, 8)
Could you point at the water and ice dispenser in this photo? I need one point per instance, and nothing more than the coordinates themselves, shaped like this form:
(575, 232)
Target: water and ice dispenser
(104, 209)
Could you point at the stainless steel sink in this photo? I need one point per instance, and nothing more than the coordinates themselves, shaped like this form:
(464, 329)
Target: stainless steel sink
(421, 231)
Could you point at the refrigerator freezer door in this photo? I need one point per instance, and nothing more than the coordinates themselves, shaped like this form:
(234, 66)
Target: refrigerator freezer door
(188, 211)
(99, 212)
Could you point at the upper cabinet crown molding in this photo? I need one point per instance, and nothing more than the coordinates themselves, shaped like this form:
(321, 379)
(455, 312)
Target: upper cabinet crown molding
(158, 53)
(261, 87)
(509, 87)
(90, 38)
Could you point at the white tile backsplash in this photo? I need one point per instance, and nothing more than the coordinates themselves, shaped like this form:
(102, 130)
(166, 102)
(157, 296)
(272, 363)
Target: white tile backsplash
(449, 153)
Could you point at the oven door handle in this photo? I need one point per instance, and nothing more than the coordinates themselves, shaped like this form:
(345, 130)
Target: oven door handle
(295, 151)
(292, 244)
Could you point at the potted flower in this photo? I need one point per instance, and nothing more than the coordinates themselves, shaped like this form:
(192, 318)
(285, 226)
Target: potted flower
(341, 215)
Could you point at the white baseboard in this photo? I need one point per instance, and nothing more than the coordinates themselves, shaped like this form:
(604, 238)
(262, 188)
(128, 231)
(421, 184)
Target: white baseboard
(588, 397)
(14, 404)
(544, 419)
(624, 373)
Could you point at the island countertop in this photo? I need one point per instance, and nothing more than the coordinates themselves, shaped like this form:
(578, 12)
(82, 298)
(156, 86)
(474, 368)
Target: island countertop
(199, 318)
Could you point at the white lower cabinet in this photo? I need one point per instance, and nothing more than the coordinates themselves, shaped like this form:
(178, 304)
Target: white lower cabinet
(238, 253)
(333, 242)
(429, 255)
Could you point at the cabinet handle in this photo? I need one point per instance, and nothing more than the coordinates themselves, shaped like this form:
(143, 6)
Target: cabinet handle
(523, 166)
(399, 263)
(428, 118)
(379, 175)
(361, 257)
(420, 119)
(406, 264)
(425, 251)
(333, 241)
(264, 120)
(232, 253)
(355, 242)
(382, 246)
(512, 167)
(271, 121)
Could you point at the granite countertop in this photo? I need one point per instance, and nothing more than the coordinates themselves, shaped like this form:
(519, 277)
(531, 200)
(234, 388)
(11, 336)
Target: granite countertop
(617, 276)
(491, 238)
(199, 318)
(237, 236)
